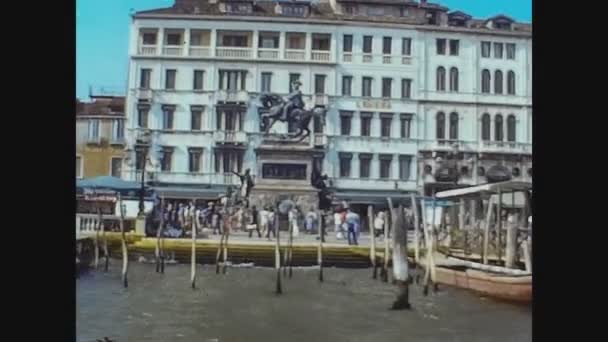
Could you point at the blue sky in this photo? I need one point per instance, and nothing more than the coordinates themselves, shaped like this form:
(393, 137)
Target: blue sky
(102, 32)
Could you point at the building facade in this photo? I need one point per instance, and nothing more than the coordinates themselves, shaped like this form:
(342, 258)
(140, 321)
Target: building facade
(100, 139)
(418, 98)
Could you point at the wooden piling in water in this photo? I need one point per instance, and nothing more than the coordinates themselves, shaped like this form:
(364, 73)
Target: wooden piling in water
(125, 256)
(159, 233)
(106, 253)
(97, 227)
(386, 255)
(486, 230)
(277, 253)
(499, 226)
(194, 225)
(400, 263)
(416, 229)
(320, 249)
(372, 246)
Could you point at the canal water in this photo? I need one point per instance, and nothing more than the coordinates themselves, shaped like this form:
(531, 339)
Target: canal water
(242, 306)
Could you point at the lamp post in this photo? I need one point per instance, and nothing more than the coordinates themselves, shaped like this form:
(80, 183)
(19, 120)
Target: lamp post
(141, 149)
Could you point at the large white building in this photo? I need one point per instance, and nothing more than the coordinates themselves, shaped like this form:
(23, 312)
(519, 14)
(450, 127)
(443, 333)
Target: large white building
(418, 98)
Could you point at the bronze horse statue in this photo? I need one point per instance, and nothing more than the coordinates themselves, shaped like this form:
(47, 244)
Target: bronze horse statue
(273, 106)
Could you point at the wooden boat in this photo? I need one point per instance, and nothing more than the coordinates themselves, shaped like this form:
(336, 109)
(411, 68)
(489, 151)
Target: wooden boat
(510, 287)
(508, 283)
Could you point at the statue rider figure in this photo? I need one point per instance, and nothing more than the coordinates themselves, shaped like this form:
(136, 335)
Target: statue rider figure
(294, 100)
(246, 183)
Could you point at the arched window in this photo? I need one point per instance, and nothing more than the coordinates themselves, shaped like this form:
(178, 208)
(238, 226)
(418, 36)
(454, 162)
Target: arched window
(498, 82)
(440, 78)
(511, 83)
(498, 131)
(454, 79)
(440, 126)
(511, 135)
(485, 127)
(485, 81)
(454, 126)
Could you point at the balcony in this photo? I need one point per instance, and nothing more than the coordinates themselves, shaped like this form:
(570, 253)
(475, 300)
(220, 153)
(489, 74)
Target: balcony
(119, 141)
(321, 100)
(387, 59)
(147, 50)
(447, 145)
(387, 184)
(320, 139)
(347, 57)
(230, 137)
(94, 140)
(368, 58)
(173, 50)
(144, 94)
(197, 178)
(320, 56)
(295, 55)
(505, 147)
(406, 60)
(199, 51)
(233, 52)
(268, 53)
(232, 95)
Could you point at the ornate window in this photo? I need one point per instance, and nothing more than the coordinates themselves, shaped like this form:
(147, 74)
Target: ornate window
(498, 129)
(498, 82)
(454, 126)
(485, 81)
(485, 127)
(440, 126)
(440, 79)
(454, 79)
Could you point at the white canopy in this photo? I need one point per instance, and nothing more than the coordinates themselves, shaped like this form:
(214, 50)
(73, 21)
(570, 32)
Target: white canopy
(491, 188)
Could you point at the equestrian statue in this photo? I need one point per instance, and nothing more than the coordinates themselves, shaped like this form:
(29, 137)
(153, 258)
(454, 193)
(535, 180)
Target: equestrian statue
(291, 110)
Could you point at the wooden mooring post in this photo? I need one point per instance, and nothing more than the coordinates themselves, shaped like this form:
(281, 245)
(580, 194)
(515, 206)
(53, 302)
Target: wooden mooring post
(125, 256)
(277, 252)
(372, 246)
(486, 230)
(194, 225)
(159, 253)
(320, 248)
(400, 263)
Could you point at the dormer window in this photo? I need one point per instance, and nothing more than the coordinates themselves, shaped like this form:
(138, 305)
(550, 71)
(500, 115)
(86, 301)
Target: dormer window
(238, 8)
(431, 18)
(375, 11)
(458, 19)
(293, 11)
(500, 22)
(350, 9)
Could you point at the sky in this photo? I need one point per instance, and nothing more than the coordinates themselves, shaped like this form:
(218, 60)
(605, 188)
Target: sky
(102, 34)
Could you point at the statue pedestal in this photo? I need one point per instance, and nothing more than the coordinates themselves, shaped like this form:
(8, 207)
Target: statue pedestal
(140, 225)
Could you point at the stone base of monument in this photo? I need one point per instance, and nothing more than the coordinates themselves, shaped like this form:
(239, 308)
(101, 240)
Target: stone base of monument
(305, 198)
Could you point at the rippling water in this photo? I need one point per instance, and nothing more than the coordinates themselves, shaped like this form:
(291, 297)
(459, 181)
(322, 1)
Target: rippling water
(242, 306)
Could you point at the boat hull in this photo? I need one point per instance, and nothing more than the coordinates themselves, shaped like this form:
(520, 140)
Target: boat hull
(511, 288)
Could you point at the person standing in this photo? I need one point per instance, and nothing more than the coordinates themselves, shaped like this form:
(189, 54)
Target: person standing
(253, 224)
(379, 224)
(311, 221)
(293, 221)
(264, 220)
(271, 224)
(338, 224)
(352, 222)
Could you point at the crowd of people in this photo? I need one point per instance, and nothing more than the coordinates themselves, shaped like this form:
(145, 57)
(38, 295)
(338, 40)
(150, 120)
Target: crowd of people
(179, 217)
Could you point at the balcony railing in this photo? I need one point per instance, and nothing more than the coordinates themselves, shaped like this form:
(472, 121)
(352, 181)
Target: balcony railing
(173, 50)
(118, 141)
(297, 55)
(147, 50)
(505, 146)
(268, 53)
(407, 60)
(94, 140)
(386, 59)
(347, 57)
(230, 136)
(199, 51)
(321, 100)
(143, 94)
(320, 56)
(320, 139)
(198, 178)
(232, 95)
(368, 58)
(233, 52)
